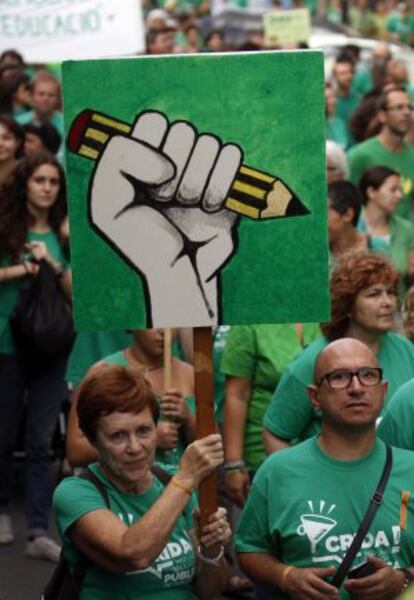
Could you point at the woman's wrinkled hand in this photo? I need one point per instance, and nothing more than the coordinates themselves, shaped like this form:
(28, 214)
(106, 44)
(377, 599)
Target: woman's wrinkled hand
(200, 459)
(217, 530)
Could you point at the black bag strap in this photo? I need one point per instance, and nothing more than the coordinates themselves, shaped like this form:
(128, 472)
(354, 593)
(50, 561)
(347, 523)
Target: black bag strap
(83, 562)
(374, 504)
(162, 475)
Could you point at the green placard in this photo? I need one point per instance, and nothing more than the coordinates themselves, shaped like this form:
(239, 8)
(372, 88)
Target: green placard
(197, 189)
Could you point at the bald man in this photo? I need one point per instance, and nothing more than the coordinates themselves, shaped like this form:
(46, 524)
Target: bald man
(307, 501)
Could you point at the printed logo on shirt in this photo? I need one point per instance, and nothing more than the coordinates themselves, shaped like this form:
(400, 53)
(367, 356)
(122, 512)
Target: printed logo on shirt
(174, 565)
(317, 524)
(325, 546)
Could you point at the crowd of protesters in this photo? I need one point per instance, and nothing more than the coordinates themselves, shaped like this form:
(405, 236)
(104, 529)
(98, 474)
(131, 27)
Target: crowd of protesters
(261, 372)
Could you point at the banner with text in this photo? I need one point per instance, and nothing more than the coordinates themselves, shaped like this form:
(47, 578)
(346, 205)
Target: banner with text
(56, 30)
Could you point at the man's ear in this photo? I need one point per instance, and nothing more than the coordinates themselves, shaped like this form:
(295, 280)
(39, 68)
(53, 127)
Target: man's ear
(349, 214)
(381, 116)
(313, 395)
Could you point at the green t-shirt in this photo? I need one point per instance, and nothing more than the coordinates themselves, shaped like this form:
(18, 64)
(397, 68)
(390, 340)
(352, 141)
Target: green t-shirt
(362, 20)
(372, 153)
(345, 106)
(170, 574)
(261, 353)
(400, 244)
(305, 507)
(397, 426)
(219, 343)
(90, 347)
(9, 290)
(290, 414)
(167, 459)
(337, 131)
(56, 119)
(362, 82)
(402, 27)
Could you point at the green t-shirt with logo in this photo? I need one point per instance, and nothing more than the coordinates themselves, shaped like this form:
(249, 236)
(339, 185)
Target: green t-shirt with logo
(305, 507)
(169, 576)
(371, 153)
(167, 459)
(261, 353)
(397, 426)
(290, 414)
(9, 290)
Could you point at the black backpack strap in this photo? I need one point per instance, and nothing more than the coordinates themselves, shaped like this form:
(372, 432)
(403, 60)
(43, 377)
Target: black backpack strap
(374, 504)
(83, 563)
(162, 475)
(90, 476)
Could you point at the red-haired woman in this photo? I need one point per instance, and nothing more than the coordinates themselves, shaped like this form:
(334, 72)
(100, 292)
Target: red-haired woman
(145, 544)
(364, 289)
(176, 426)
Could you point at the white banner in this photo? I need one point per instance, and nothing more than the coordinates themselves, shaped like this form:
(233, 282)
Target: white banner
(56, 30)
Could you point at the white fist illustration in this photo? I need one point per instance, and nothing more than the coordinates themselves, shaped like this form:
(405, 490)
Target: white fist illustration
(158, 198)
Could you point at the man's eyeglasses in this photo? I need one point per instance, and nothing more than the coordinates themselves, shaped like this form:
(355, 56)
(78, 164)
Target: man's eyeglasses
(401, 107)
(341, 378)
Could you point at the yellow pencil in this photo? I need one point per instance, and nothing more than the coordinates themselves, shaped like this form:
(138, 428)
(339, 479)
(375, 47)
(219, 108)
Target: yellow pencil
(253, 193)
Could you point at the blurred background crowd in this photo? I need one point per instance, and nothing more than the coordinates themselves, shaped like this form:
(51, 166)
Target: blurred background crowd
(369, 105)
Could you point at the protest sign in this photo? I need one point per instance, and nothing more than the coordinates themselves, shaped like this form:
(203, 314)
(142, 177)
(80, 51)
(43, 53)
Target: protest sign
(56, 30)
(197, 190)
(284, 27)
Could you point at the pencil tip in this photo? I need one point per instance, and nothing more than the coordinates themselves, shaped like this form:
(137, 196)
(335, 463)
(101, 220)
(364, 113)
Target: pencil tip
(296, 208)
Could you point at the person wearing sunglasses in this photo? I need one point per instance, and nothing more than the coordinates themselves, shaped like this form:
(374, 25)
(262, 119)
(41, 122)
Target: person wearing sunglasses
(364, 300)
(307, 503)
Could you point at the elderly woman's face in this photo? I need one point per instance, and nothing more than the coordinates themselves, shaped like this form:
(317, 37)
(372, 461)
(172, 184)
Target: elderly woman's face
(374, 308)
(126, 446)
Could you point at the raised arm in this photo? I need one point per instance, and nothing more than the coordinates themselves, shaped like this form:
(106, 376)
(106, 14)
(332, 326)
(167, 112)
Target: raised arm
(109, 543)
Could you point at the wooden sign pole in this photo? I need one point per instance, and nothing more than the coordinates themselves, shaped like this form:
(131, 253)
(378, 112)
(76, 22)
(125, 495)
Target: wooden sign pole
(167, 358)
(205, 422)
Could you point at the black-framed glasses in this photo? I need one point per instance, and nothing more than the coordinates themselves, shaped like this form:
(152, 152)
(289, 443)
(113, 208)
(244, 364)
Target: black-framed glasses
(341, 378)
(400, 107)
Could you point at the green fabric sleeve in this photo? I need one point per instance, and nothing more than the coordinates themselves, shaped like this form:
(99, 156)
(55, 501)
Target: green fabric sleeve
(239, 353)
(252, 534)
(73, 498)
(391, 433)
(290, 412)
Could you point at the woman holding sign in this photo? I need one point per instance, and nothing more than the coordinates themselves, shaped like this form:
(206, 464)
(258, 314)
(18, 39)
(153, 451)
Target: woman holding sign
(144, 544)
(176, 428)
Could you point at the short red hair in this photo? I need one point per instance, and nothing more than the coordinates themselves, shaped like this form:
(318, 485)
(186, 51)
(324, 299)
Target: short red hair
(112, 388)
